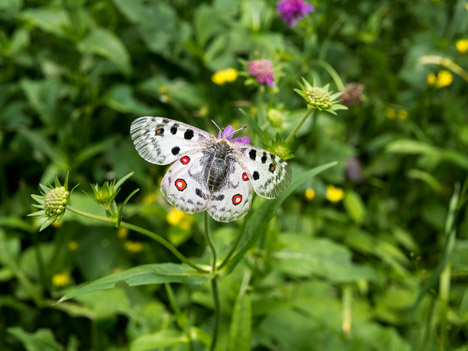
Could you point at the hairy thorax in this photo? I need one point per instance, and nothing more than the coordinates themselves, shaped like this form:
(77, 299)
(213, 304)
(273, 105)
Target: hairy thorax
(218, 165)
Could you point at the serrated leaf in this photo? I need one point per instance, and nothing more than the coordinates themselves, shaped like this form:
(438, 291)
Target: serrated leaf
(142, 275)
(304, 256)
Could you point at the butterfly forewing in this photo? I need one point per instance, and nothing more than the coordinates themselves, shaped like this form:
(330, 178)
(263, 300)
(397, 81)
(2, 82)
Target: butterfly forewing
(269, 174)
(162, 140)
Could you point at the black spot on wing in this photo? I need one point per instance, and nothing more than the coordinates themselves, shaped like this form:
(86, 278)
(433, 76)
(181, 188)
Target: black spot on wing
(264, 157)
(175, 150)
(188, 134)
(165, 121)
(219, 198)
(272, 156)
(255, 175)
(160, 131)
(174, 128)
(253, 154)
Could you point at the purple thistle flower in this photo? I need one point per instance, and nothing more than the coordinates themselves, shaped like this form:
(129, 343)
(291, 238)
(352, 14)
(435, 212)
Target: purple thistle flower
(262, 71)
(228, 133)
(291, 11)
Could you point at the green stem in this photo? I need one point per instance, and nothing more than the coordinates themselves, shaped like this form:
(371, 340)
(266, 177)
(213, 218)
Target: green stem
(143, 231)
(331, 71)
(299, 125)
(40, 262)
(214, 284)
(236, 243)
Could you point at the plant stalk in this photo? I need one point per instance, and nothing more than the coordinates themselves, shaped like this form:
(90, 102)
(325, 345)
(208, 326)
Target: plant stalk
(298, 126)
(143, 231)
(214, 284)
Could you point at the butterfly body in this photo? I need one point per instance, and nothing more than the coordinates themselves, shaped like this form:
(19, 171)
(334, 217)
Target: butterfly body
(208, 174)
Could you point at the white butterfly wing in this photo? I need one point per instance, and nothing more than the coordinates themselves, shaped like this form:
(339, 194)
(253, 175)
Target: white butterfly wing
(268, 173)
(162, 140)
(233, 200)
(182, 186)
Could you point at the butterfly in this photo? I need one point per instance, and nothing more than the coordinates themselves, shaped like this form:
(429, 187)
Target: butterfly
(208, 173)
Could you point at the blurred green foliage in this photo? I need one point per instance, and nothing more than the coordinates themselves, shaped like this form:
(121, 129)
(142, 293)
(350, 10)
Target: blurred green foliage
(383, 268)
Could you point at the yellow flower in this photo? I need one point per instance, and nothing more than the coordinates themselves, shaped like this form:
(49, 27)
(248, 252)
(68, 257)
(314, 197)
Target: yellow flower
(431, 79)
(309, 194)
(133, 246)
(72, 245)
(56, 224)
(443, 79)
(462, 46)
(60, 279)
(403, 115)
(174, 217)
(150, 198)
(334, 194)
(122, 233)
(227, 75)
(390, 113)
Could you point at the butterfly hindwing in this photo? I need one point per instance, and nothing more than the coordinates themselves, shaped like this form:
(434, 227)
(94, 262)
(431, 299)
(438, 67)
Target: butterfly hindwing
(182, 186)
(269, 174)
(162, 140)
(233, 200)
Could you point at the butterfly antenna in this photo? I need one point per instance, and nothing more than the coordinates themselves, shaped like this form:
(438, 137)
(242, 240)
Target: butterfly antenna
(211, 119)
(239, 129)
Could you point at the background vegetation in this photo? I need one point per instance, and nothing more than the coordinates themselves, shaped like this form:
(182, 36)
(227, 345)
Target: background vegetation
(372, 254)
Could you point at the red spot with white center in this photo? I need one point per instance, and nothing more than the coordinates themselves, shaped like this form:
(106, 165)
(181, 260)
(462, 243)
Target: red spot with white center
(180, 184)
(236, 199)
(245, 176)
(185, 160)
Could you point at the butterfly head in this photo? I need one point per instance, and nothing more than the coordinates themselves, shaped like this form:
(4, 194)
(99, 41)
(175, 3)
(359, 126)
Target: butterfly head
(228, 133)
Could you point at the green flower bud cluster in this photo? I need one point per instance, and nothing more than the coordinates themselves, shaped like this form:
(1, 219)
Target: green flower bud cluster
(56, 201)
(276, 117)
(319, 97)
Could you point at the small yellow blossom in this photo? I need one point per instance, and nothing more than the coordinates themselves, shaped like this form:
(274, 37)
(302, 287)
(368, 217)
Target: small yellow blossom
(72, 245)
(334, 194)
(431, 79)
(403, 115)
(462, 46)
(174, 216)
(60, 279)
(150, 198)
(56, 224)
(227, 75)
(443, 79)
(122, 233)
(390, 113)
(309, 194)
(133, 246)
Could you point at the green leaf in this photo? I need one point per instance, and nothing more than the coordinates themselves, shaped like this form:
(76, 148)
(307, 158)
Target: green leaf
(53, 20)
(354, 206)
(241, 324)
(120, 98)
(162, 338)
(260, 218)
(304, 256)
(106, 44)
(42, 340)
(142, 275)
(408, 146)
